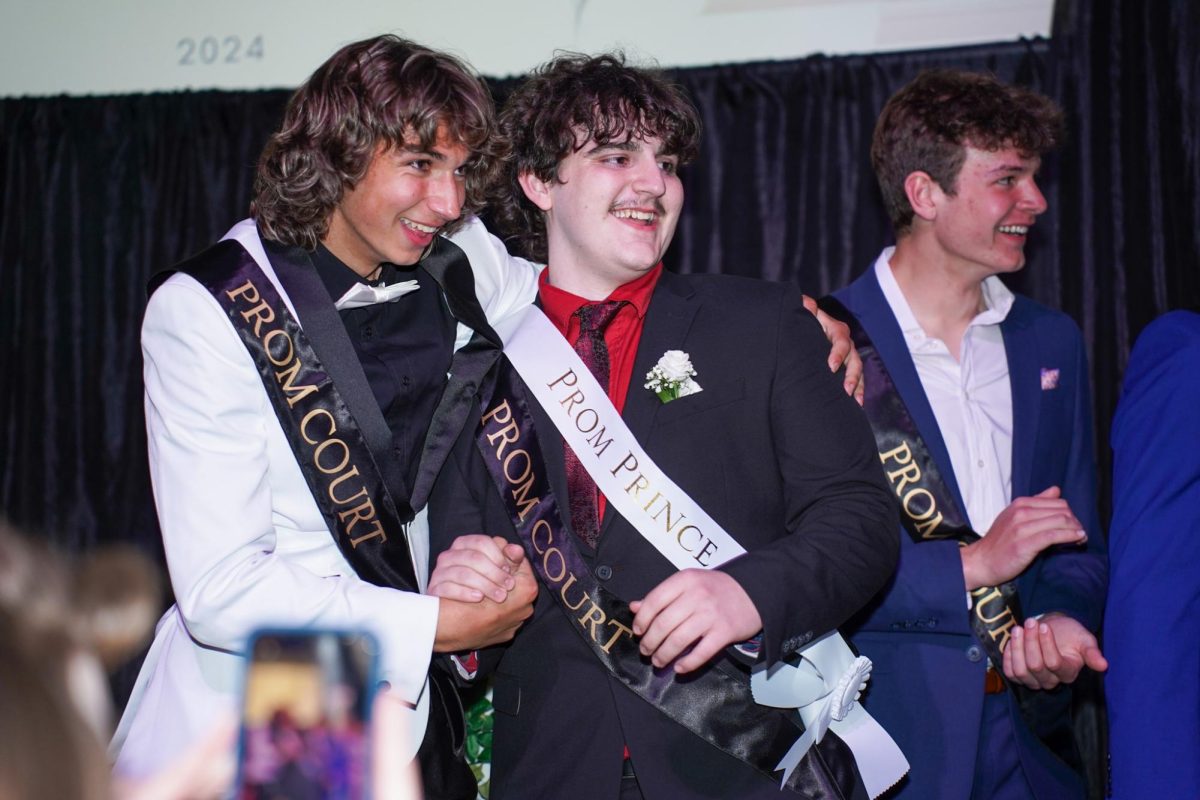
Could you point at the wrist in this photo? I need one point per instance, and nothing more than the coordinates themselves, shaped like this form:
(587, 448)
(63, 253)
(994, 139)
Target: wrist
(971, 568)
(448, 638)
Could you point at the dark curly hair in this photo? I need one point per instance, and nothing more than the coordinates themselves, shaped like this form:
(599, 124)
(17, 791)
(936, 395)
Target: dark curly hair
(381, 91)
(569, 101)
(927, 125)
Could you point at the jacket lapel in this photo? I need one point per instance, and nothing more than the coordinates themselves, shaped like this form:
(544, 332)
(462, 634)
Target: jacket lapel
(1024, 376)
(448, 265)
(865, 300)
(324, 329)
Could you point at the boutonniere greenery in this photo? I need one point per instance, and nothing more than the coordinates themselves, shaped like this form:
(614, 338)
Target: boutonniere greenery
(672, 376)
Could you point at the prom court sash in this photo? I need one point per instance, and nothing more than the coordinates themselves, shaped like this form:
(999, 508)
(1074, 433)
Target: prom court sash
(929, 509)
(720, 706)
(338, 465)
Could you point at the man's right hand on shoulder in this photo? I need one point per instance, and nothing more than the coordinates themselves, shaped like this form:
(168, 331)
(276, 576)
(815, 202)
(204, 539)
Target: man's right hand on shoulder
(1023, 530)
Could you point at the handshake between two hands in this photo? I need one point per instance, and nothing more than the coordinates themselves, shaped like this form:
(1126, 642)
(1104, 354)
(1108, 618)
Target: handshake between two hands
(487, 590)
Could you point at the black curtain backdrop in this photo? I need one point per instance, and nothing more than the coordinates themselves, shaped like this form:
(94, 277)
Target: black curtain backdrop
(98, 193)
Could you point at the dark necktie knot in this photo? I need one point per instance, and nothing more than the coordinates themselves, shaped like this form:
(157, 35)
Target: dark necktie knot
(594, 317)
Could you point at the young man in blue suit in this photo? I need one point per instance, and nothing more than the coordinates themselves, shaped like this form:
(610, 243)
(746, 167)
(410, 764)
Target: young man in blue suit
(1150, 627)
(980, 404)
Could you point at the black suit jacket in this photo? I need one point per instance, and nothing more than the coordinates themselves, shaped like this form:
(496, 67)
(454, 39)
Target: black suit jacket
(776, 453)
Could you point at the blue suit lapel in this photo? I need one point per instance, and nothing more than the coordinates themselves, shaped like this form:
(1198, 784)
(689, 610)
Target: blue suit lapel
(1024, 376)
(864, 298)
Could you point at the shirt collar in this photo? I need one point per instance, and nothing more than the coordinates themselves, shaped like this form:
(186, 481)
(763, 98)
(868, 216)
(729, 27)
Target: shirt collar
(339, 278)
(560, 305)
(997, 300)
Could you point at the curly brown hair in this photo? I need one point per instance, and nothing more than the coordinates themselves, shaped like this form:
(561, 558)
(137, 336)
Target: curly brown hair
(927, 125)
(384, 91)
(569, 101)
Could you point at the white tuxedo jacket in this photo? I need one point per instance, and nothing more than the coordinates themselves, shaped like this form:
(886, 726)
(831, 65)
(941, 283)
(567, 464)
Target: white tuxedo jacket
(246, 545)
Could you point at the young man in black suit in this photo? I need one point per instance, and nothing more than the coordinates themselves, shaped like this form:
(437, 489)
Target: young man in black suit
(627, 682)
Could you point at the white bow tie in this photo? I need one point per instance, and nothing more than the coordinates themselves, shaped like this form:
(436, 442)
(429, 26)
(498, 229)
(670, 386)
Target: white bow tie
(361, 294)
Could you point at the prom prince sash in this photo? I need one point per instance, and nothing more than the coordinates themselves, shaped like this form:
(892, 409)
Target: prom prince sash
(822, 687)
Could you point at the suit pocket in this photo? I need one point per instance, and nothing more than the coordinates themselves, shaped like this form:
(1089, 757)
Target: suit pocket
(709, 398)
(506, 694)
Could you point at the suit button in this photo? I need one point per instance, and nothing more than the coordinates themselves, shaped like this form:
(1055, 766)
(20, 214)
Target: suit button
(604, 572)
(974, 653)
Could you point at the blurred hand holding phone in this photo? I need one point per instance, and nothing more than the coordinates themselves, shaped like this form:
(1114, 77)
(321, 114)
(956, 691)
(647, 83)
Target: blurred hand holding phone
(306, 720)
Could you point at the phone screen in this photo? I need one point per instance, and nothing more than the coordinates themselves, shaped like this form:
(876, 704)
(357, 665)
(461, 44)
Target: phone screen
(305, 716)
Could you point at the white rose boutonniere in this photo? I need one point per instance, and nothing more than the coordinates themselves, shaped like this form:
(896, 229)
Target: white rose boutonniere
(672, 376)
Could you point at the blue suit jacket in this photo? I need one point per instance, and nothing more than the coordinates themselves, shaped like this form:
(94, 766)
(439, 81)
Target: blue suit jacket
(1153, 618)
(927, 684)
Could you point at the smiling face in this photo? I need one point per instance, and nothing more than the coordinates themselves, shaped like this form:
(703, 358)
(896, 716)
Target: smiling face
(984, 224)
(393, 213)
(610, 215)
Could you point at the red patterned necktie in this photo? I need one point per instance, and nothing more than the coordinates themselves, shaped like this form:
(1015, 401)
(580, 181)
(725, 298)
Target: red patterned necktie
(592, 350)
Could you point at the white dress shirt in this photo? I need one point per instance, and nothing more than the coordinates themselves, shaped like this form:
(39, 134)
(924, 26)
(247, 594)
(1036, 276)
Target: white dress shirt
(971, 397)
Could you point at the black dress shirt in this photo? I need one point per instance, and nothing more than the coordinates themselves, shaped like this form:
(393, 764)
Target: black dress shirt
(404, 346)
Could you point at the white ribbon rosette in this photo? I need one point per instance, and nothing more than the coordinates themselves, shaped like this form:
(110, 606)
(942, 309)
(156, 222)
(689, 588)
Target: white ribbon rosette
(826, 698)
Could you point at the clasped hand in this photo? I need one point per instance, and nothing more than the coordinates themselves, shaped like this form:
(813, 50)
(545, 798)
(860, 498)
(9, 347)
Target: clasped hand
(1053, 650)
(486, 590)
(706, 610)
(1022, 530)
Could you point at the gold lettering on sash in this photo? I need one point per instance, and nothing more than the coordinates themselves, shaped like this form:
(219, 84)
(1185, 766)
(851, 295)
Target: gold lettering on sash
(286, 378)
(568, 378)
(629, 462)
(621, 630)
(247, 290)
(926, 530)
(664, 509)
(594, 419)
(280, 351)
(376, 531)
(562, 564)
(918, 503)
(541, 524)
(501, 413)
(562, 592)
(352, 472)
(507, 435)
(525, 475)
(592, 617)
(990, 608)
(340, 465)
(571, 400)
(261, 314)
(709, 548)
(524, 502)
(685, 529)
(308, 418)
(599, 443)
(555, 572)
(271, 336)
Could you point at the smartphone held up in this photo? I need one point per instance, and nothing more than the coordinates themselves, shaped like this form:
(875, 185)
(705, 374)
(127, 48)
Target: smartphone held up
(306, 716)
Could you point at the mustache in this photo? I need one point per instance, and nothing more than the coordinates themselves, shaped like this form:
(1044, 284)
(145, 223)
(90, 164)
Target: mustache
(655, 205)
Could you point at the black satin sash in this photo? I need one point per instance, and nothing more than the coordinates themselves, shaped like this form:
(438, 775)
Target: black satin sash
(929, 508)
(340, 468)
(715, 703)
(348, 467)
